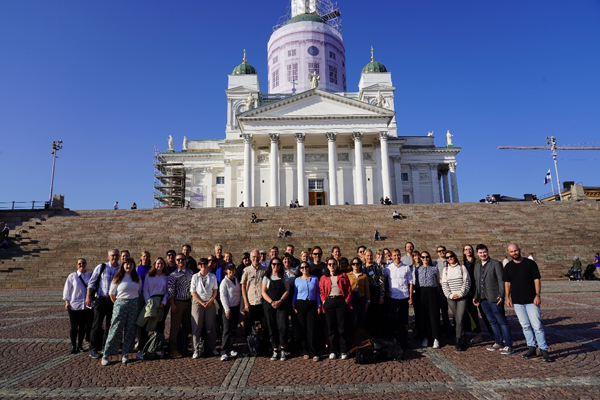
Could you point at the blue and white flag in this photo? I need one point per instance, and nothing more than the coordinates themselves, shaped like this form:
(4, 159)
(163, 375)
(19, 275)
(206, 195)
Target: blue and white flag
(547, 178)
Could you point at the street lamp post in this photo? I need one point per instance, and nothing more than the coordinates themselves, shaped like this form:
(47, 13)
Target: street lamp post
(56, 146)
(551, 140)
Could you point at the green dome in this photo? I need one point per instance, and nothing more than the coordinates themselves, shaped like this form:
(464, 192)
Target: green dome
(244, 69)
(374, 67)
(305, 17)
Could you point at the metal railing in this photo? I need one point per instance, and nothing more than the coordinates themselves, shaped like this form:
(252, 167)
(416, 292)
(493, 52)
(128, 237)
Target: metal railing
(24, 205)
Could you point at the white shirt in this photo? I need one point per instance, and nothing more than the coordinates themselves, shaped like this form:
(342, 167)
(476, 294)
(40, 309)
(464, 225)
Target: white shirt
(155, 285)
(204, 289)
(75, 291)
(126, 289)
(399, 278)
(231, 293)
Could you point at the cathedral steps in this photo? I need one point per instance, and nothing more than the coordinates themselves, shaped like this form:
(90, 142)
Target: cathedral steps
(50, 242)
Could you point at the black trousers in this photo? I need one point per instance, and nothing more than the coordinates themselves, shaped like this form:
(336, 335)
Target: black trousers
(398, 319)
(256, 314)
(429, 320)
(335, 313)
(79, 326)
(103, 308)
(443, 303)
(307, 322)
(230, 329)
(277, 321)
(375, 314)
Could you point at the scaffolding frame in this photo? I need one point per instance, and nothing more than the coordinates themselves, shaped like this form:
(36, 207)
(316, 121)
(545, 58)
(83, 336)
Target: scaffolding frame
(328, 11)
(169, 182)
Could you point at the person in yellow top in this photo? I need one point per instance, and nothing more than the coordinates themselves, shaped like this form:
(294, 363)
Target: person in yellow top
(361, 296)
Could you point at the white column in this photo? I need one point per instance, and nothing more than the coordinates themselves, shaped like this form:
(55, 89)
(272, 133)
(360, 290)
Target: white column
(209, 187)
(228, 183)
(359, 168)
(435, 182)
(247, 169)
(333, 187)
(385, 164)
(398, 173)
(416, 183)
(302, 193)
(446, 187)
(274, 159)
(454, 182)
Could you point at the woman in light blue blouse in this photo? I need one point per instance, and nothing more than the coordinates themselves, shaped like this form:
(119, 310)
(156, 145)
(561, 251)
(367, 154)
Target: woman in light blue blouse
(428, 278)
(307, 305)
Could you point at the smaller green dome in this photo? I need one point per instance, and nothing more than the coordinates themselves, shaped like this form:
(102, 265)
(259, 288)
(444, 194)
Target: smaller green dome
(305, 17)
(244, 68)
(374, 67)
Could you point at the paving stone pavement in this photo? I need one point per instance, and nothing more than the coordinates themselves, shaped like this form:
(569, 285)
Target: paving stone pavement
(35, 364)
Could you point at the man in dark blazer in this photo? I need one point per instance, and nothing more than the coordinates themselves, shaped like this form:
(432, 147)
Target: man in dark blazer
(489, 291)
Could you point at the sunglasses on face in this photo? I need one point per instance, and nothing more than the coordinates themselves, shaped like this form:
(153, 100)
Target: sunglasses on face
(180, 259)
(355, 263)
(441, 251)
(425, 257)
(303, 267)
(317, 254)
(277, 264)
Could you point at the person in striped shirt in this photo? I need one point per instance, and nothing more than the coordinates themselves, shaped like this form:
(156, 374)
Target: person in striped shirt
(456, 284)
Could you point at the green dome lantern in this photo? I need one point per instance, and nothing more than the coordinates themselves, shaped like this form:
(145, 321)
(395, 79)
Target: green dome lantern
(374, 66)
(244, 68)
(305, 17)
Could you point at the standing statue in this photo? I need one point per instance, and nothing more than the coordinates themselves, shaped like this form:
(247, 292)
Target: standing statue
(170, 142)
(184, 146)
(249, 102)
(449, 139)
(380, 100)
(314, 80)
(430, 134)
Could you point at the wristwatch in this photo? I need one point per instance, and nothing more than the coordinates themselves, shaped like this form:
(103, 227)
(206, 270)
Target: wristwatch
(538, 295)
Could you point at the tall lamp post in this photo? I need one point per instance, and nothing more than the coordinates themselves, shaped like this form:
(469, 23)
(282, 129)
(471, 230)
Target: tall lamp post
(56, 146)
(551, 140)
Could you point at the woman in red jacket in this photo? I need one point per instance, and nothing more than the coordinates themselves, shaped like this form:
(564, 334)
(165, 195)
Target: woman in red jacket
(336, 294)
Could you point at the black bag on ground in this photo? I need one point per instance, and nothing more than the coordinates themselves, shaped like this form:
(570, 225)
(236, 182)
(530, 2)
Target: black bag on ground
(372, 350)
(253, 341)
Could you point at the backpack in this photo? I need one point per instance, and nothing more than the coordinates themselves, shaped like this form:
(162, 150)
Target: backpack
(153, 346)
(253, 341)
(371, 351)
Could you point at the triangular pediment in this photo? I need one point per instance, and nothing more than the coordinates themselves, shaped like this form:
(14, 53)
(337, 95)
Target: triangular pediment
(378, 87)
(241, 89)
(318, 104)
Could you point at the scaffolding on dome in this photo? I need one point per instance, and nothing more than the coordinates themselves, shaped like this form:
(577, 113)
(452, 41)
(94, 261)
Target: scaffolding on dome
(328, 11)
(169, 182)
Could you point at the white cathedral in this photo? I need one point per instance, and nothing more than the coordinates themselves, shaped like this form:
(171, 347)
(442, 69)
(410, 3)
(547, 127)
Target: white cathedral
(307, 138)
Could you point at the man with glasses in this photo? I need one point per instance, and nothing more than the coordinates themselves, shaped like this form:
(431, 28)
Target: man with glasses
(441, 263)
(489, 292)
(171, 264)
(317, 268)
(180, 298)
(523, 286)
(407, 258)
(399, 281)
(191, 264)
(252, 293)
(99, 283)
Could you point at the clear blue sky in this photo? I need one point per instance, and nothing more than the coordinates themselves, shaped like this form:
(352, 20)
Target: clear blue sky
(114, 78)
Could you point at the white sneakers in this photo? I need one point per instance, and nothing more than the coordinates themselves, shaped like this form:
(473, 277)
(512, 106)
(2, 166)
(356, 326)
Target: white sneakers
(105, 361)
(344, 356)
(224, 357)
(506, 351)
(332, 356)
(196, 354)
(436, 344)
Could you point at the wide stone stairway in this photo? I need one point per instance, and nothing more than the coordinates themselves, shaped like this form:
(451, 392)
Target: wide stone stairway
(47, 243)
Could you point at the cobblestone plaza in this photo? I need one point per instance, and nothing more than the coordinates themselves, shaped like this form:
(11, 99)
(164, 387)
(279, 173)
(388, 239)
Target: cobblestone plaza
(35, 362)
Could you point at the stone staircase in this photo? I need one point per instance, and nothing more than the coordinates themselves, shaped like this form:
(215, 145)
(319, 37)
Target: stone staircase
(48, 243)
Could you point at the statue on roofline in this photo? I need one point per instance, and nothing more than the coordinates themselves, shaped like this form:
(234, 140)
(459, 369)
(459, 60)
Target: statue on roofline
(170, 142)
(314, 80)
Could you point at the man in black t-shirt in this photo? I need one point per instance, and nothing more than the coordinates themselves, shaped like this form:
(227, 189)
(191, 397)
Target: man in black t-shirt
(317, 267)
(522, 283)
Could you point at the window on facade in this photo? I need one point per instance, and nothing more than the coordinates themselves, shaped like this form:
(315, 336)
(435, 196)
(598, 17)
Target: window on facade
(220, 202)
(275, 78)
(313, 67)
(315, 184)
(220, 180)
(332, 55)
(406, 198)
(292, 53)
(292, 72)
(333, 75)
(404, 176)
(275, 59)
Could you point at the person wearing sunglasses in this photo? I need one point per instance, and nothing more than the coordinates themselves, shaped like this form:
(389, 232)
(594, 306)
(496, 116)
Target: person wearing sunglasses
(440, 263)
(455, 284)
(318, 267)
(306, 304)
(400, 287)
(336, 296)
(375, 275)
(275, 289)
(180, 298)
(204, 289)
(361, 298)
(428, 280)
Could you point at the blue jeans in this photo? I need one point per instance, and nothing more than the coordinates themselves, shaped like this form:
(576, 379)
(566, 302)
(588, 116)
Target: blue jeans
(530, 318)
(497, 319)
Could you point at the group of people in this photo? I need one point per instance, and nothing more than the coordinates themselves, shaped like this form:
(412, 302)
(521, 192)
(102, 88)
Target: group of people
(305, 304)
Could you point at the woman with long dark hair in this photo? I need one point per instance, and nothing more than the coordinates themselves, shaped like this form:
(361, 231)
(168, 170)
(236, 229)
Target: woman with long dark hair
(155, 296)
(456, 284)
(361, 296)
(74, 294)
(307, 305)
(336, 295)
(375, 275)
(275, 289)
(124, 292)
